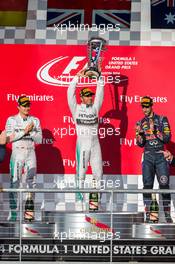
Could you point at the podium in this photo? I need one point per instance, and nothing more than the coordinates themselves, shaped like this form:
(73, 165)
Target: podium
(87, 236)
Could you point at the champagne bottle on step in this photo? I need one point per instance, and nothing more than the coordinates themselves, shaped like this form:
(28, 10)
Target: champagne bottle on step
(93, 199)
(29, 208)
(154, 209)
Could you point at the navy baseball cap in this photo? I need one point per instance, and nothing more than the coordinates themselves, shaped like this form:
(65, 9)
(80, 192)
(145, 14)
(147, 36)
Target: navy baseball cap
(24, 100)
(146, 101)
(86, 91)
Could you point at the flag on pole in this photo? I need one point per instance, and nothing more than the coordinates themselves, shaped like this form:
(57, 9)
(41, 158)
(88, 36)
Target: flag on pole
(77, 12)
(163, 14)
(13, 12)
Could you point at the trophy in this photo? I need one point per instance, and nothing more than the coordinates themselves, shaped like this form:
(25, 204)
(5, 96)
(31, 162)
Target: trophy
(95, 48)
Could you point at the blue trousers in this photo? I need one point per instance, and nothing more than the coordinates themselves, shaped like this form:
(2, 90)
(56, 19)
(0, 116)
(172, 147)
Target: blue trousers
(153, 164)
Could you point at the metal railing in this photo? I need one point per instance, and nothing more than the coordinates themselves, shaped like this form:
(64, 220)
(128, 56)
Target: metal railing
(126, 225)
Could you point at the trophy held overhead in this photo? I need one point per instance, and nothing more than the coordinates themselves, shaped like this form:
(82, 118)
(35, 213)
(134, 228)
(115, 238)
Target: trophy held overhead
(96, 46)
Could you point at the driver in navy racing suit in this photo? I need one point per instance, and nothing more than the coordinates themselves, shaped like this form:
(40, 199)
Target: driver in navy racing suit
(152, 132)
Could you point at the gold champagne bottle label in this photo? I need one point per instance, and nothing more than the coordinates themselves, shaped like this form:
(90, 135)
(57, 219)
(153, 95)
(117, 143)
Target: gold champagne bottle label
(154, 216)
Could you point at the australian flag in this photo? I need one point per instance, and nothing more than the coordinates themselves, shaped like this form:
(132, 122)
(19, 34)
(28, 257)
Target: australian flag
(163, 14)
(77, 12)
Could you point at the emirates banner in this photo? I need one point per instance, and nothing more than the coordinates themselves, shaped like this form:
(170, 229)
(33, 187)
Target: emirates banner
(43, 72)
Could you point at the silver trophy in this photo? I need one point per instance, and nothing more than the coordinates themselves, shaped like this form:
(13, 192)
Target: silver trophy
(95, 48)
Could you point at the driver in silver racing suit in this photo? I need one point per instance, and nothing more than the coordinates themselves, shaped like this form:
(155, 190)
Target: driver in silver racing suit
(86, 120)
(23, 131)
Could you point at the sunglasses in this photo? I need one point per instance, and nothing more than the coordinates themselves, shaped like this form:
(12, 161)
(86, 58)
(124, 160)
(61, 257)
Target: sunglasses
(88, 95)
(143, 106)
(25, 106)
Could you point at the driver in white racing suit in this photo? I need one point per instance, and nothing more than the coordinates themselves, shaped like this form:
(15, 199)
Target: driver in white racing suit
(23, 131)
(86, 120)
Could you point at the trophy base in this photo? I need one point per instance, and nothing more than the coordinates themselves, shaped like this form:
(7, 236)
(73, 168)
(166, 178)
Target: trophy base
(91, 73)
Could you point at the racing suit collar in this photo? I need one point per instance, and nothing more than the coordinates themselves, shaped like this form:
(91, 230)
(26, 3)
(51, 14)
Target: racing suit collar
(151, 116)
(86, 106)
(23, 119)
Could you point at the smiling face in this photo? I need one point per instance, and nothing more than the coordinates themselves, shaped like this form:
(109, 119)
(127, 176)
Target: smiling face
(24, 110)
(88, 100)
(147, 110)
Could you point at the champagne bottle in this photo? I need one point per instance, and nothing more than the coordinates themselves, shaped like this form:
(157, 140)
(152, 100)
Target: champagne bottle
(154, 209)
(93, 200)
(29, 208)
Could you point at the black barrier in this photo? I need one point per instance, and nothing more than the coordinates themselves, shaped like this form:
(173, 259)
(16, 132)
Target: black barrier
(55, 250)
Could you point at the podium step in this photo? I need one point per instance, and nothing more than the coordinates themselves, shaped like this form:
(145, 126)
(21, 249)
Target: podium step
(75, 225)
(154, 231)
(79, 225)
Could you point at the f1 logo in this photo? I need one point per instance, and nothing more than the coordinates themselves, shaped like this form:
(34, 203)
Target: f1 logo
(73, 65)
(57, 76)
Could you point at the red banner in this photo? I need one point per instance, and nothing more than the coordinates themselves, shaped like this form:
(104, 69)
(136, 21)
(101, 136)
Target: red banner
(43, 72)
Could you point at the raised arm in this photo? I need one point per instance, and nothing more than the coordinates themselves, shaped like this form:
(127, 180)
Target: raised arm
(71, 96)
(99, 95)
